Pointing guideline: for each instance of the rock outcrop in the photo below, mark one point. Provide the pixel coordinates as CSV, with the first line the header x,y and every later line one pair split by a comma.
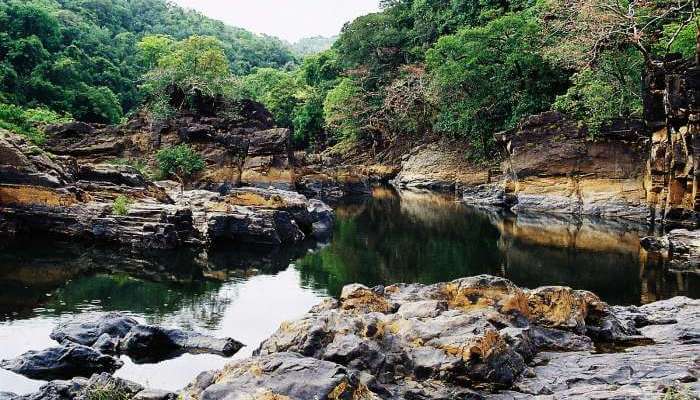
x,y
552,166
90,343
441,166
473,338
41,193
479,337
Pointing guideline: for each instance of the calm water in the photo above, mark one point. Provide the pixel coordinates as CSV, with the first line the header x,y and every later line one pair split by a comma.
x,y
247,293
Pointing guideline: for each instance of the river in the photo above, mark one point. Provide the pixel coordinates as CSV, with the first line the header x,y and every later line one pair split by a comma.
x,y
246,293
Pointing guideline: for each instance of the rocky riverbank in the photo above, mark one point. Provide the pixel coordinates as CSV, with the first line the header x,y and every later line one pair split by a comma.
x,y
477,337
44,193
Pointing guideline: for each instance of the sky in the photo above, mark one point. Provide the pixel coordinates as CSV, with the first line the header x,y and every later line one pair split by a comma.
x,y
290,20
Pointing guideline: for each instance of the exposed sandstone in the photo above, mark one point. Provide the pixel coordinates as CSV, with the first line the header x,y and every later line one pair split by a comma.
x,y
441,166
552,166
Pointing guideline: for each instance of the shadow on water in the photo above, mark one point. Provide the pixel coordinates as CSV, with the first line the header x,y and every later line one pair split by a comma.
x,y
247,292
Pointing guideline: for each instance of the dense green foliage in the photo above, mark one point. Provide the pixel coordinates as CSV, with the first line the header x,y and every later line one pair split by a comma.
x,y
418,68
29,121
86,57
468,69
180,161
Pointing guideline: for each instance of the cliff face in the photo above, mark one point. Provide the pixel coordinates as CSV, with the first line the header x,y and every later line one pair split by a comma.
x,y
239,145
552,166
641,170
672,111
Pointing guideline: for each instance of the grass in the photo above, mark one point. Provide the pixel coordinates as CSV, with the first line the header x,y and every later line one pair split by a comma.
x,y
121,205
109,391
678,393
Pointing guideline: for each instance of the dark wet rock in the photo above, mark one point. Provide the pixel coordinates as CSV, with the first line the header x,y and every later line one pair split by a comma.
x,y
115,174
98,386
145,343
115,333
74,128
333,185
323,218
63,361
22,163
680,248
87,329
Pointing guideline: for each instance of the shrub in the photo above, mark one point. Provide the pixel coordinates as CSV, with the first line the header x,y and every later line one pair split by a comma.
x,y
121,205
180,162
28,122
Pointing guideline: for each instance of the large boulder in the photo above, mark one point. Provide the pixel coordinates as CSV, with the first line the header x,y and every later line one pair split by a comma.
x,y
116,333
145,343
65,361
281,376
86,329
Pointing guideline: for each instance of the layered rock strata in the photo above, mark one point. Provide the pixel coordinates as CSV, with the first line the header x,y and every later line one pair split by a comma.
x,y
57,195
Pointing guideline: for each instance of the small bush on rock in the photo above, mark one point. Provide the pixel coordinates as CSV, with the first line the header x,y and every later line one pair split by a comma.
x,y
181,162
121,205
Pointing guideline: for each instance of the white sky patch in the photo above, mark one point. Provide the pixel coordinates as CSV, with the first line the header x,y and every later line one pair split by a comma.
x,y
290,20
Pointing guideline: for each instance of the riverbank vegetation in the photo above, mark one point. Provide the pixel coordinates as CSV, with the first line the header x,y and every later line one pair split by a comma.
x,y
418,68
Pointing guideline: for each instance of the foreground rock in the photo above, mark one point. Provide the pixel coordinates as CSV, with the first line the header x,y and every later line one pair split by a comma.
x,y
101,386
472,338
466,339
60,362
90,342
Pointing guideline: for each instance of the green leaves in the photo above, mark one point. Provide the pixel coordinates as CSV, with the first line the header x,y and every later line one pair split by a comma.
x,y
180,161
486,79
610,90
28,121
343,110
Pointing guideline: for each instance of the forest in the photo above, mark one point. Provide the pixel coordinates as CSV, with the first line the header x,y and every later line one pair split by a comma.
x,y
418,68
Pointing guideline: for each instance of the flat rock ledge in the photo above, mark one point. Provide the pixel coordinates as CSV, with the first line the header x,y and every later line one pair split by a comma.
x,y
91,343
480,337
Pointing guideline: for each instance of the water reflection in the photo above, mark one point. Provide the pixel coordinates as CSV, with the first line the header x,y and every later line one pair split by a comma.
x,y
246,293
411,237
